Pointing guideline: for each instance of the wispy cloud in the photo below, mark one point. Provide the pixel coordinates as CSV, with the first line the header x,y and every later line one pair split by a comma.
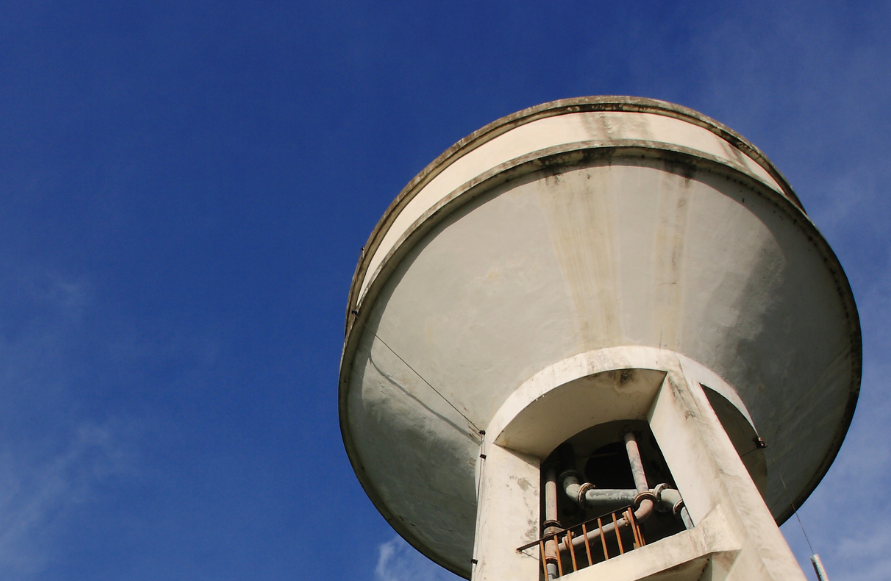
x,y
36,493
398,561
867,554
53,456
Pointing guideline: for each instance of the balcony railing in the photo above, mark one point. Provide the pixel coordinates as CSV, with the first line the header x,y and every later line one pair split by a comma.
x,y
607,529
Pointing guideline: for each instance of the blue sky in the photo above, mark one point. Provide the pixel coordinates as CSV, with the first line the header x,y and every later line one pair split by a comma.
x,y
184,190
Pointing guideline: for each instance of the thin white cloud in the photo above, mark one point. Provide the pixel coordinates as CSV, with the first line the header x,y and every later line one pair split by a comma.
x,y
52,459
398,561
37,493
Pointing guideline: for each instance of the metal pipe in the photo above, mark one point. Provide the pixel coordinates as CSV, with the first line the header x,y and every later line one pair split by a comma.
x,y
685,516
544,560
667,497
818,567
586,494
637,469
600,496
642,496
571,485
551,525
670,499
647,507
550,495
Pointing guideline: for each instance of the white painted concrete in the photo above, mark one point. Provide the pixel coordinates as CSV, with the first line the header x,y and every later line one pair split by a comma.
x,y
711,477
735,534
654,233
508,517
607,127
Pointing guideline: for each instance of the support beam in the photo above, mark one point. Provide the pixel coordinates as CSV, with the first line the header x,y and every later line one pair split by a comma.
x,y
711,477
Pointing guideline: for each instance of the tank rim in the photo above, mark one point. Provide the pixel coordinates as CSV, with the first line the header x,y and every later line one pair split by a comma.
x,y
567,106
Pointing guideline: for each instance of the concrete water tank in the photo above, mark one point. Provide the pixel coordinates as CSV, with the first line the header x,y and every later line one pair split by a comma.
x,y
559,256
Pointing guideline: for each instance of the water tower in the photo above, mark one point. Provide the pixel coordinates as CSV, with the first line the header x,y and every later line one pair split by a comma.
x,y
599,338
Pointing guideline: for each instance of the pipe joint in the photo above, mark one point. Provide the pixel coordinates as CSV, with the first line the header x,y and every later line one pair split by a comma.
x,y
678,507
551,527
583,490
570,474
642,496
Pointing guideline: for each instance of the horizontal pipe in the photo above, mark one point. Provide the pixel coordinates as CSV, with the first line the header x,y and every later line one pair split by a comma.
x,y
641,514
667,500
597,496
594,497
585,494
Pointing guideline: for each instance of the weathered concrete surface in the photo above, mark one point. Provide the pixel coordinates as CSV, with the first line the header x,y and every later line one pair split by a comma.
x,y
712,479
582,226
735,536
508,516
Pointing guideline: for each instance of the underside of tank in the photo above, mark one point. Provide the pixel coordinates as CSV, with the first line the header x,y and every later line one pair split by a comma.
x,y
640,225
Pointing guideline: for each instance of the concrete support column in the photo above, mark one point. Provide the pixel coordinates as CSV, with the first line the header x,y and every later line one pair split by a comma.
x,y
507,517
714,482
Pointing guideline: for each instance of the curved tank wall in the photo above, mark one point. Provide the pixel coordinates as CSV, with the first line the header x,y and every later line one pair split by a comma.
x,y
575,226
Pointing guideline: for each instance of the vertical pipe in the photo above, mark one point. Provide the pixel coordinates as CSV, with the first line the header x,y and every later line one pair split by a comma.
x,y
551,495
818,567
550,568
544,561
685,516
637,469
559,560
551,525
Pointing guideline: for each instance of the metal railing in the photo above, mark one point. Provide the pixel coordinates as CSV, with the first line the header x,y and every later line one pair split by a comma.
x,y
552,546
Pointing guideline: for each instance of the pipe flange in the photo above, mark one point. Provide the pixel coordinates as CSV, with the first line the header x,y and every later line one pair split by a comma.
x,y
551,527
660,488
678,507
584,488
642,496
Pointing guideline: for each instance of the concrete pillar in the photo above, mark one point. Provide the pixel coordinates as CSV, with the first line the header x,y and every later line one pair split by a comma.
x,y
734,537
507,517
714,482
